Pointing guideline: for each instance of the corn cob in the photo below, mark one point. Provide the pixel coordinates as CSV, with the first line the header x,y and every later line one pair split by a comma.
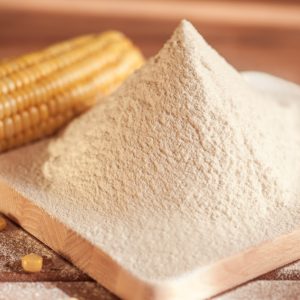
x,y
42,91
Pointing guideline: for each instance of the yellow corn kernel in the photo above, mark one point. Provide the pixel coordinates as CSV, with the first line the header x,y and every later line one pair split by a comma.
x,y
32,263
13,65
20,103
44,112
1,111
25,120
34,115
7,108
3,223
2,134
8,127
17,123
42,91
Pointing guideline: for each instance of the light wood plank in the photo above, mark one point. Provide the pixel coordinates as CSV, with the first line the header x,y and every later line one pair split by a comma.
x,y
206,282
69,243
15,243
263,290
72,246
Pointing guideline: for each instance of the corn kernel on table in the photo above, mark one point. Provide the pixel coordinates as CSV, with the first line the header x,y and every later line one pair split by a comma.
x,y
60,280
266,40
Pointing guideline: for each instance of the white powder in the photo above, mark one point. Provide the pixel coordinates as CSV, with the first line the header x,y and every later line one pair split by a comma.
x,y
15,243
264,290
53,291
183,165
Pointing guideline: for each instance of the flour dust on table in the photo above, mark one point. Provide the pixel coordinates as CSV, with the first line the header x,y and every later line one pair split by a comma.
x,y
183,165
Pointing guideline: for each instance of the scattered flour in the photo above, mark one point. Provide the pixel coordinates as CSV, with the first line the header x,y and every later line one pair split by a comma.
x,y
53,291
183,165
264,290
15,243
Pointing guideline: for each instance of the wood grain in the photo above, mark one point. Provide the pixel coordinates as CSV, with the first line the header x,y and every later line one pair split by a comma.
x,y
70,245
14,242
54,291
289,272
263,290
258,41
258,14
266,39
206,282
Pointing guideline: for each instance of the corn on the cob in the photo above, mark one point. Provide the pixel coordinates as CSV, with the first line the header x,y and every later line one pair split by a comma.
x,y
42,91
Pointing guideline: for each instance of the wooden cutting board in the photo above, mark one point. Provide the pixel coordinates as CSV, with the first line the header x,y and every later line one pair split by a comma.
x,y
214,278
209,281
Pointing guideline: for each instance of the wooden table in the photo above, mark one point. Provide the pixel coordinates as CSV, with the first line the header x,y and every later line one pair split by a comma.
x,y
266,39
251,35
60,280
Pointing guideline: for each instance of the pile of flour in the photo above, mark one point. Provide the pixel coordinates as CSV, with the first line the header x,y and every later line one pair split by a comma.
x,y
183,165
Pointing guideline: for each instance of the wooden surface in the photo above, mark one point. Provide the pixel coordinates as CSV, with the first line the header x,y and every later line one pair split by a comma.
x,y
210,281
265,38
252,36
57,280
60,280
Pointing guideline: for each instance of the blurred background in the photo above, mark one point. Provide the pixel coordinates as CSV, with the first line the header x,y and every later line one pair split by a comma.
x,y
253,35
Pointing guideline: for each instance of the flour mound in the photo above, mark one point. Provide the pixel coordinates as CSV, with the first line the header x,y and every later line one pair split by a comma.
x,y
185,162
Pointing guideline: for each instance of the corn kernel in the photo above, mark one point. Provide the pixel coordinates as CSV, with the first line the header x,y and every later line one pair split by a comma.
x,y
25,120
2,133
1,110
32,263
44,112
3,223
7,109
18,123
8,127
42,91
34,115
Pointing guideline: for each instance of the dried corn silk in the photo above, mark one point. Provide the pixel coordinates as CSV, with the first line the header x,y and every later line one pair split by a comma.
x,y
183,165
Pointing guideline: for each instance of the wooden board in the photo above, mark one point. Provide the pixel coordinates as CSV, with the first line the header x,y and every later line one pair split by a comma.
x,y
15,243
59,278
212,280
247,44
263,290
203,282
